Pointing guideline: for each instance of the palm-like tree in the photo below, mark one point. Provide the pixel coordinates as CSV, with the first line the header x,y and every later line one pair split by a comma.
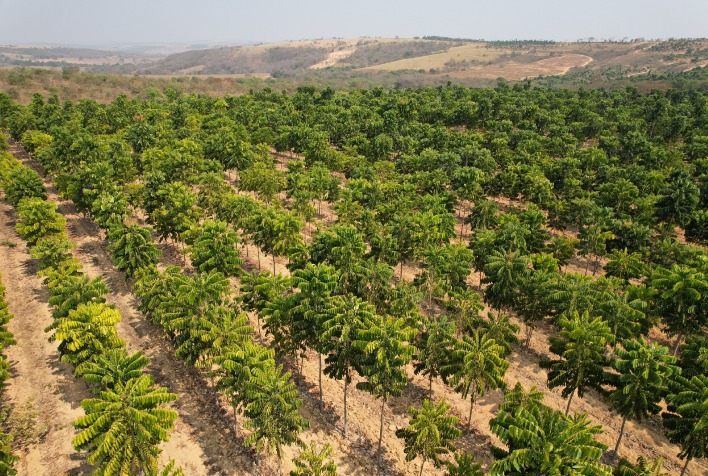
x,y
429,433
314,461
643,371
123,426
234,368
133,248
340,330
69,288
625,265
463,465
384,343
6,339
435,346
86,332
504,273
644,467
687,418
478,364
681,290
112,368
541,441
581,347
272,409
214,248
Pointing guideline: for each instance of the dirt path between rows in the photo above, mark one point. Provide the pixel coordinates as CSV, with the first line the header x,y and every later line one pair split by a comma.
x,y
38,377
201,442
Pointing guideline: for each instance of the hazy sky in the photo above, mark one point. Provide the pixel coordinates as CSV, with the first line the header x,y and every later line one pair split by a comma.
x,y
97,22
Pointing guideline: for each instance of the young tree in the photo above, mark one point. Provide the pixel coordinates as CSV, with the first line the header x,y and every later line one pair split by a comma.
x,y
680,291
581,347
686,420
644,467
52,250
384,343
38,219
643,374
24,182
429,433
214,248
175,212
86,333
625,266
434,349
112,368
463,465
504,274
124,425
273,412
133,248
340,331
477,365
313,461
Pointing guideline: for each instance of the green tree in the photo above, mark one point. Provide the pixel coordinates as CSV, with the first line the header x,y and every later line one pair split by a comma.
x,y
681,199
112,368
86,332
175,212
314,461
384,343
681,290
273,412
23,183
214,248
644,467
133,248
463,465
434,348
52,250
581,346
263,179
504,274
643,372
686,420
340,331
7,459
477,365
38,219
123,426
624,265
429,433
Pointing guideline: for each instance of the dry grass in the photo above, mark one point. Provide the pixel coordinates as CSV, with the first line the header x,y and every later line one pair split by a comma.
x,y
471,52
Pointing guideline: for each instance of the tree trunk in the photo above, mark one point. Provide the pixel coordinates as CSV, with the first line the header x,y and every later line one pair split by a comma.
x,y
529,331
677,344
378,451
320,379
280,465
469,418
273,264
421,468
400,276
235,422
258,251
685,466
619,439
346,384
430,387
567,408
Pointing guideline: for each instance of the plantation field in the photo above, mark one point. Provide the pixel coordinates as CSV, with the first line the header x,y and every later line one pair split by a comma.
x,y
473,52
389,281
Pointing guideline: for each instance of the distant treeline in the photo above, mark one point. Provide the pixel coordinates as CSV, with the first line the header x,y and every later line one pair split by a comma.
x,y
513,44
448,38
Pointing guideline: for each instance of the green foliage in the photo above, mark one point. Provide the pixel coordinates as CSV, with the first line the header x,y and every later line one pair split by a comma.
x,y
52,250
624,265
581,347
38,219
86,333
123,426
476,366
429,433
214,248
434,348
113,368
463,465
6,339
69,288
541,441
24,182
133,248
644,467
686,419
313,461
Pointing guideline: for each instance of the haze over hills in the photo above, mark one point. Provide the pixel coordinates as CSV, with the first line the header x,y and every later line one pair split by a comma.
x,y
454,58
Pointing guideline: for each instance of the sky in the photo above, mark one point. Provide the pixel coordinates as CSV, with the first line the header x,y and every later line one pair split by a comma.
x,y
115,22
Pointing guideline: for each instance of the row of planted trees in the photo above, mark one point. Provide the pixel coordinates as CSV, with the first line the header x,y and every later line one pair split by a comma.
x,y
7,459
127,420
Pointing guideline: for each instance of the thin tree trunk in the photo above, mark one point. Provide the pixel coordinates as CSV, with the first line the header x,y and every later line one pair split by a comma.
x,y
421,468
383,406
685,466
567,408
529,331
619,439
400,276
430,387
469,418
320,378
346,384
677,344
235,422
273,264
280,465
258,251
